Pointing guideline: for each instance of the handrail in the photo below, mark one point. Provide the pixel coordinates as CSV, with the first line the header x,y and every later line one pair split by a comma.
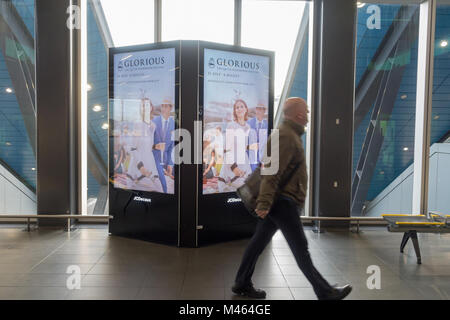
x,y
55,216
343,218
69,217
350,219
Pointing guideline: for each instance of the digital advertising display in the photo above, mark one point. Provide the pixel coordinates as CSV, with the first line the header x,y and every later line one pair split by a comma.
x,y
143,118
235,117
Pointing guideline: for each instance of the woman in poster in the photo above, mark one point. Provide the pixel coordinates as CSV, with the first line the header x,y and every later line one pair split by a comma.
x,y
123,144
236,167
143,169
119,159
120,155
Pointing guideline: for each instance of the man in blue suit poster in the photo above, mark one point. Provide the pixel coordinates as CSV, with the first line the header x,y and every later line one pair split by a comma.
x,y
162,150
258,136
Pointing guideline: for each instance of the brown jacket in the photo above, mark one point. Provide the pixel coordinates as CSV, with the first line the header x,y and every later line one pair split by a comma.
x,y
291,153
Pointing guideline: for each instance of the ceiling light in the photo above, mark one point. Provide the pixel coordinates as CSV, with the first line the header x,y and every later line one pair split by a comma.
x,y
88,87
105,126
436,117
9,90
360,4
444,43
405,149
381,172
8,143
33,169
97,108
404,96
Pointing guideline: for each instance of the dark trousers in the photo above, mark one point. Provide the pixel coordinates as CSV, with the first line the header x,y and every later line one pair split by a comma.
x,y
284,216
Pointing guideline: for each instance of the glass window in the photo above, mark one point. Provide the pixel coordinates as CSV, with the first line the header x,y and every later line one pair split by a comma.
x,y
296,84
209,20
385,106
130,22
439,174
272,25
96,112
17,109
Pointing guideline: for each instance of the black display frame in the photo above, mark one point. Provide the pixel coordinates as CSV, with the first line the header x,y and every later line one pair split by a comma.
x,y
220,220
157,221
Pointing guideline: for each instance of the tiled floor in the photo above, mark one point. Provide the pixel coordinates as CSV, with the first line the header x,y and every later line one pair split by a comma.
x,y
34,265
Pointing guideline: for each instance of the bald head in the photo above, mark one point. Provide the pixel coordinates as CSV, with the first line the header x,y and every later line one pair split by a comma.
x,y
296,109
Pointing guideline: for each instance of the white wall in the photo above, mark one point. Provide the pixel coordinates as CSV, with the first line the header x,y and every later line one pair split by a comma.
x,y
397,196
15,197
439,194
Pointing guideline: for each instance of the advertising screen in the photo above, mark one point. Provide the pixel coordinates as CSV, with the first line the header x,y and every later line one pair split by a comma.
x,y
142,110
235,117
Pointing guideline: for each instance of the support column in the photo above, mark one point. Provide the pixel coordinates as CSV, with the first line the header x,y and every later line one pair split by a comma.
x,y
58,108
158,19
333,103
424,98
237,22
189,110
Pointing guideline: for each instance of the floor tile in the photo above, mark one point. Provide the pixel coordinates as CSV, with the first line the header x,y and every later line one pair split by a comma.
x,y
34,266
122,280
202,293
159,293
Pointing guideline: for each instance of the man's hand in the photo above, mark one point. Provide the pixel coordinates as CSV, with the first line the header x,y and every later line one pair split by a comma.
x,y
261,213
160,146
237,172
253,146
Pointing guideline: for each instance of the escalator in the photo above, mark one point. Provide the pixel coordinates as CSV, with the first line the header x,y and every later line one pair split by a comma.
x,y
376,95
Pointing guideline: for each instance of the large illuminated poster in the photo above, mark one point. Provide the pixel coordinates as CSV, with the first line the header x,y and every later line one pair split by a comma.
x,y
143,114
235,118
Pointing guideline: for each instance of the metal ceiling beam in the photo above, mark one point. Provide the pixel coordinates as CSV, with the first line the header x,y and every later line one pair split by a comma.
x,y
372,76
14,35
14,22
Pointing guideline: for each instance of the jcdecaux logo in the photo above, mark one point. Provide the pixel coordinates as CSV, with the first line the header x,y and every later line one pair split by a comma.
x,y
140,199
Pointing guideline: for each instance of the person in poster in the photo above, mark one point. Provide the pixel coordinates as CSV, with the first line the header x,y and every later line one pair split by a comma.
x,y
120,157
258,135
142,170
143,120
123,148
236,97
164,144
135,159
148,166
234,170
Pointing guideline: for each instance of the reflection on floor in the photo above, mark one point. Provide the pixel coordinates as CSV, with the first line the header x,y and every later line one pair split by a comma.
x,y
34,265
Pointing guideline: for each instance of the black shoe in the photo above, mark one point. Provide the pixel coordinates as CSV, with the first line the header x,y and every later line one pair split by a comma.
x,y
249,291
337,293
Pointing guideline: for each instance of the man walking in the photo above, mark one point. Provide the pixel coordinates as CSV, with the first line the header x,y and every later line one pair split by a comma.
x,y
279,209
